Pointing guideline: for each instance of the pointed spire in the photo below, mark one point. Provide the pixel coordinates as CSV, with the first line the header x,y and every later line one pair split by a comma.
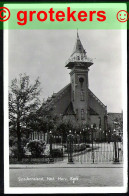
x,y
78,55
78,48
77,34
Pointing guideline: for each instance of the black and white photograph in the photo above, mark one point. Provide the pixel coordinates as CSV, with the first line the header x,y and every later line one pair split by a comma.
x,y
66,110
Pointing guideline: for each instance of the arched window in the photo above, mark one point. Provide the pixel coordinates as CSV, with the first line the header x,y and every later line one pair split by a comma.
x,y
78,58
82,114
81,80
82,96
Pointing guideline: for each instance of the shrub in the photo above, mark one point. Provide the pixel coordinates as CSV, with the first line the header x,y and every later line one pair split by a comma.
x,y
36,147
13,151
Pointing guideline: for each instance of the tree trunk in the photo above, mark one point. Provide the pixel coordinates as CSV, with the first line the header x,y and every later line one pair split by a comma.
x,y
44,136
19,142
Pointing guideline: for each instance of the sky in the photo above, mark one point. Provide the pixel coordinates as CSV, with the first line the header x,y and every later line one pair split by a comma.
x,y
43,53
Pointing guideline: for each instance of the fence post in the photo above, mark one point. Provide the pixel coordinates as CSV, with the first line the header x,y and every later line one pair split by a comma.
x,y
116,159
92,143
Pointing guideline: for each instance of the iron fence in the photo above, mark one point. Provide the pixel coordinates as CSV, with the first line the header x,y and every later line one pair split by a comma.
x,y
85,147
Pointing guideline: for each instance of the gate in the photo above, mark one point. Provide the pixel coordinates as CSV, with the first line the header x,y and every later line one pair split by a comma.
x,y
86,147
99,153
94,147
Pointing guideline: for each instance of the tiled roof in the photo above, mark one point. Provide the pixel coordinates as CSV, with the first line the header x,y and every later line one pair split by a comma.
x,y
92,112
50,102
113,116
92,94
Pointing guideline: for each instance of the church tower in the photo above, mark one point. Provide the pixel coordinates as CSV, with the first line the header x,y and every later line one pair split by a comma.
x,y
79,65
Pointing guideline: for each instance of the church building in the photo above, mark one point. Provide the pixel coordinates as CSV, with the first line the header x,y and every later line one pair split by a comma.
x,y
76,101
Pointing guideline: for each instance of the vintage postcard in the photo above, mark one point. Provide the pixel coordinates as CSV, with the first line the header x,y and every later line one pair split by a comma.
x,y
65,106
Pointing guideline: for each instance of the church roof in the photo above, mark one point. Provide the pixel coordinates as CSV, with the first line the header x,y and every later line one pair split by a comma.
x,y
50,103
113,116
92,111
53,102
63,89
91,94
69,110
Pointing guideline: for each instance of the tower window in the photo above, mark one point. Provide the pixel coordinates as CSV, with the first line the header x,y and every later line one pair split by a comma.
x,y
82,96
81,80
82,114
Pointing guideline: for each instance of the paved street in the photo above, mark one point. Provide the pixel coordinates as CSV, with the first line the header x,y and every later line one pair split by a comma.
x,y
39,176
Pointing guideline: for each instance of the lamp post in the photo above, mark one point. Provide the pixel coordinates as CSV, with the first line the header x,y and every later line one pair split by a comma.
x,y
88,130
80,137
50,142
95,133
100,133
105,127
92,143
103,136
84,135
70,147
109,136
75,133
